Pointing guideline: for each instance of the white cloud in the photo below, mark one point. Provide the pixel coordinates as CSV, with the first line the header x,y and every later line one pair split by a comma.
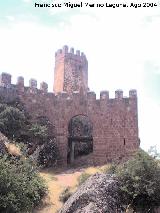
x,y
10,18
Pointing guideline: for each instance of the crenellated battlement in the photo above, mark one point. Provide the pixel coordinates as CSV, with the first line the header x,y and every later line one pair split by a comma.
x,y
5,82
65,52
90,96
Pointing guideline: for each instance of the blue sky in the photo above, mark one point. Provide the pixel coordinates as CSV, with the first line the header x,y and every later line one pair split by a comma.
x,y
122,46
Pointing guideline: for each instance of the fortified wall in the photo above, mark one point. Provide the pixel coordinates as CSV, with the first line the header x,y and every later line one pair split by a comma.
x,y
114,120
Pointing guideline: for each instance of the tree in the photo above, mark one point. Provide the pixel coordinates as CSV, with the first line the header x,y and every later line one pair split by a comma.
x,y
140,182
43,145
12,120
38,133
48,154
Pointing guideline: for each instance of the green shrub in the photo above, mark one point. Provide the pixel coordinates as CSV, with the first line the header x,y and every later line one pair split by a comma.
x,y
48,154
83,177
38,132
66,193
12,120
21,188
139,180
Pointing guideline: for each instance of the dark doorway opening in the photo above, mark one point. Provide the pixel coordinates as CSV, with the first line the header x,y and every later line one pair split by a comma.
x,y
80,139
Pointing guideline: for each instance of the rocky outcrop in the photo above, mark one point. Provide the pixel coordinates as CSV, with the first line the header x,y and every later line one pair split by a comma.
x,y
6,147
99,194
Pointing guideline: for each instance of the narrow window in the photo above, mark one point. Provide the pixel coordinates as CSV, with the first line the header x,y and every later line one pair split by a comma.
x,y
111,121
124,141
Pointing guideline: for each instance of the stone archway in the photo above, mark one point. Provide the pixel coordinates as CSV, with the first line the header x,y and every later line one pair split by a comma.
x,y
80,138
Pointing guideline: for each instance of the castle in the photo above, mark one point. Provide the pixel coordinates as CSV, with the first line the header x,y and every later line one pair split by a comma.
x,y
113,130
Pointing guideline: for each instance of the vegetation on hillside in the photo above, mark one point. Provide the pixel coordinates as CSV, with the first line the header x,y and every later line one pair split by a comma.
x,y
37,134
139,180
21,188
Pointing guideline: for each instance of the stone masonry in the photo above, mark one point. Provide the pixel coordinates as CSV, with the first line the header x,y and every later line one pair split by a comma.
x,y
115,121
71,71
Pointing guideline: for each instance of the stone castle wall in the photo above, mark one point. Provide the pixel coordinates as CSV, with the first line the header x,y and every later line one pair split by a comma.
x,y
115,121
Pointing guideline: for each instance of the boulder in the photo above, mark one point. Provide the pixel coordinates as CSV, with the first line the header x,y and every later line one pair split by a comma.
x,y
99,194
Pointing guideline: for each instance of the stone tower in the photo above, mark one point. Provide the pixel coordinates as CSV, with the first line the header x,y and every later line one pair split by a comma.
x,y
71,71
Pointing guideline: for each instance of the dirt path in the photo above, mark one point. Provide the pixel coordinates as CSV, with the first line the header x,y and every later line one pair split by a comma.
x,y
56,183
